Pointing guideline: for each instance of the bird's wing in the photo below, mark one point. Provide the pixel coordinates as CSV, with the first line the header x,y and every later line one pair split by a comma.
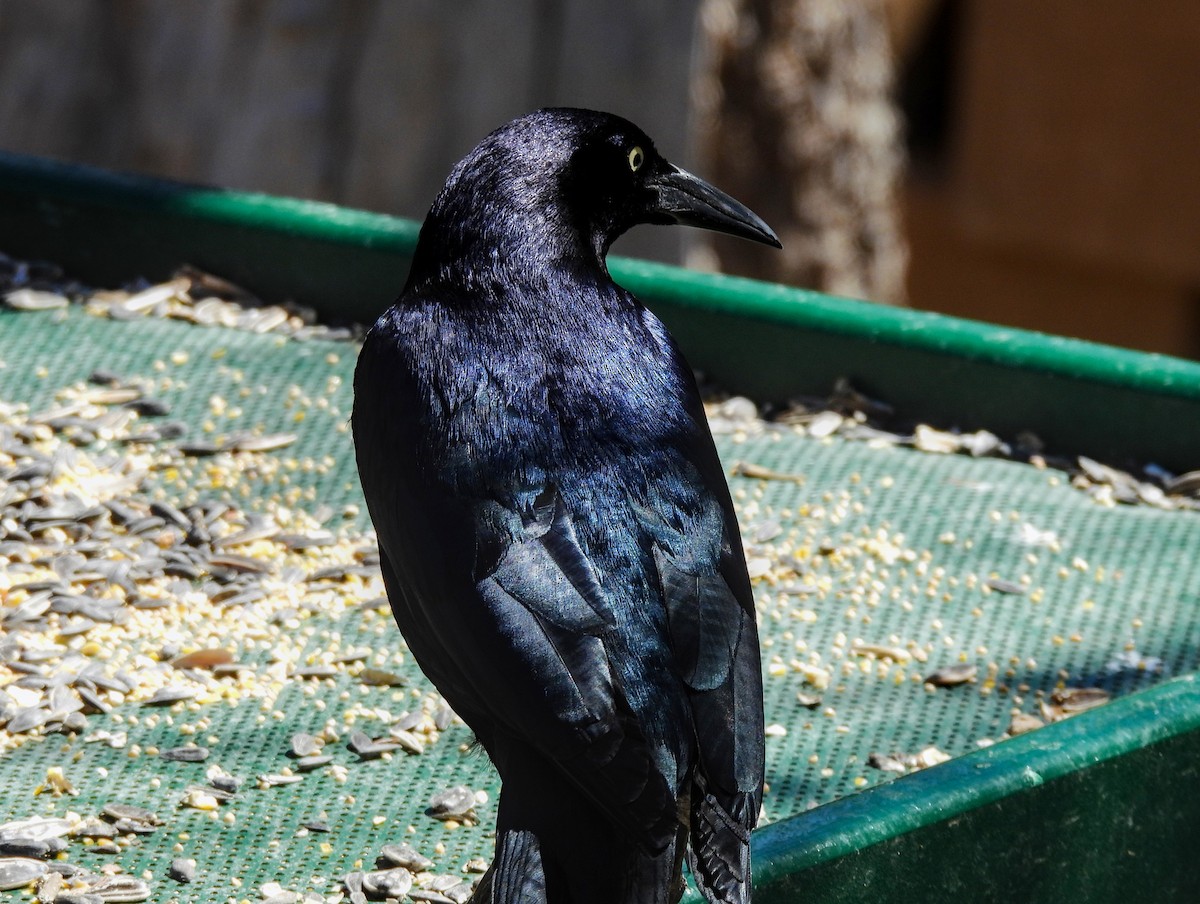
x,y
531,650
713,635
715,641
554,647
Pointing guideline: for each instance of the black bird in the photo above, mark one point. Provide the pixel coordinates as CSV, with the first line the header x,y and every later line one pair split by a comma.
x,y
555,530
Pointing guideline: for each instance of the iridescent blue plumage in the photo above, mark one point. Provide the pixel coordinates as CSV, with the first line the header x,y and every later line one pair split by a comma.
x,y
555,530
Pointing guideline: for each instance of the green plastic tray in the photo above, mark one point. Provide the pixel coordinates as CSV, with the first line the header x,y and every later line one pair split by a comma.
x,y
1093,808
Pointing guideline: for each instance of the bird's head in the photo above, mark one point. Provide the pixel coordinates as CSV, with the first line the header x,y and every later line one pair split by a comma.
x,y
559,179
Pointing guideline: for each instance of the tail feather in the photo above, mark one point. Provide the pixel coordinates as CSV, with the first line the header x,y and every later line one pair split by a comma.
x,y
554,844
719,855
516,875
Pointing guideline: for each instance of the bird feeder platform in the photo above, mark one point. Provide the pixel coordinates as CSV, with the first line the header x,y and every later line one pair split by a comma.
x,y
938,628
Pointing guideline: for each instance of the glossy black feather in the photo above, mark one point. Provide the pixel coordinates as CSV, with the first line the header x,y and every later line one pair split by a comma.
x,y
556,535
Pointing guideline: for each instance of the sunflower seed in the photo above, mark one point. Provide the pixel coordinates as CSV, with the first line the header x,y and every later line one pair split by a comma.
x,y
758,472
267,443
1184,485
48,886
365,747
129,811
18,872
182,869
952,675
406,856
18,846
306,541
351,656
460,893
166,696
452,803
309,763
149,407
353,883
38,828
407,740
118,889
825,423
94,828
314,671
203,659
381,678
1002,586
112,395
226,783
305,745
240,564
246,536
185,754
127,826
154,295
901,763
389,883
428,896
27,719
216,793
1079,699
1023,722
199,449
271,780
170,514
34,300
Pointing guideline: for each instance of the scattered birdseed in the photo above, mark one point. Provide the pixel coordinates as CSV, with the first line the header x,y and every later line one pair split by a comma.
x,y
137,590
191,295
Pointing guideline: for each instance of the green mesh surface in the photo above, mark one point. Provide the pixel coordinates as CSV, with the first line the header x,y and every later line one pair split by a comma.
x,y
881,546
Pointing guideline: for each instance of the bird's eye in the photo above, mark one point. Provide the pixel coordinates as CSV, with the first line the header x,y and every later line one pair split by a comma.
x,y
636,158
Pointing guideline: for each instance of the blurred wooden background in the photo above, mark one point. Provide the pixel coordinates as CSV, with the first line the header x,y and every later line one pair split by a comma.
x,y
1040,157
366,103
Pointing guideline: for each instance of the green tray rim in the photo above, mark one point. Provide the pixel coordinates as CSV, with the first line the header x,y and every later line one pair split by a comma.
x,y
1009,347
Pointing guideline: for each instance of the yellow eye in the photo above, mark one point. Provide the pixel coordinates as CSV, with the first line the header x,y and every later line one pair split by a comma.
x,y
636,158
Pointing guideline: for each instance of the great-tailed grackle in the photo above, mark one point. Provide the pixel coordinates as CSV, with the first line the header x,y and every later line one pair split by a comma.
x,y
555,531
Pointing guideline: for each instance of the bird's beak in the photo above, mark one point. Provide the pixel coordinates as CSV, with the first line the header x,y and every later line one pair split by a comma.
x,y
689,200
